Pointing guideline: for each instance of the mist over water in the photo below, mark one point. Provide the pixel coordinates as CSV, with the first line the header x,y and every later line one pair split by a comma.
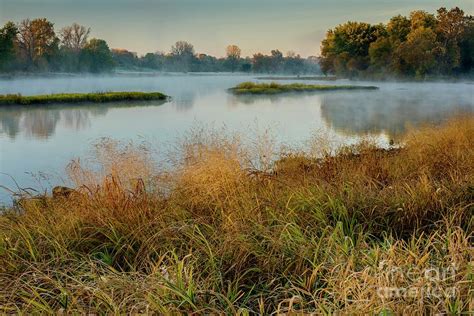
x,y
45,138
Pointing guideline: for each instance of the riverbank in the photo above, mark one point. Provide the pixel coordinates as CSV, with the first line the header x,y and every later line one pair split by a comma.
x,y
306,234
74,98
274,88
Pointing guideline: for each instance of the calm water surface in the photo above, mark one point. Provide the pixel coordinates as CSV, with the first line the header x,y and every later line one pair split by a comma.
x,y
44,139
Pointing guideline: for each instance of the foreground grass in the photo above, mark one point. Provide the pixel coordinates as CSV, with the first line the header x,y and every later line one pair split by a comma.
x,y
323,234
273,88
17,99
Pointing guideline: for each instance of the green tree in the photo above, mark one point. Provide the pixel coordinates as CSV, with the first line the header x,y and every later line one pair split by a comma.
x,y
152,61
420,45
466,46
450,27
398,28
96,56
293,63
422,19
419,51
380,53
124,58
7,45
276,60
261,63
346,48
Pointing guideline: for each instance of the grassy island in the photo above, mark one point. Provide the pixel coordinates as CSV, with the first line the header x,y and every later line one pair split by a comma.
x,y
273,88
332,78
100,97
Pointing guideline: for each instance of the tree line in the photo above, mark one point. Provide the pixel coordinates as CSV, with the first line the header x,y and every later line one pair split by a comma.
x,y
183,58
420,45
34,46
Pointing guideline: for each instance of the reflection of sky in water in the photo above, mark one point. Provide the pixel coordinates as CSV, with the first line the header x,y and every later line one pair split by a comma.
x,y
47,138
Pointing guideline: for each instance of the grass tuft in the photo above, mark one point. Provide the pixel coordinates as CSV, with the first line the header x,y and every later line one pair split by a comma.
x,y
361,230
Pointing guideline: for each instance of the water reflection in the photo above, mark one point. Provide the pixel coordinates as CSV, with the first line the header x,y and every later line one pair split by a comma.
x,y
250,99
41,122
352,113
184,101
390,112
53,135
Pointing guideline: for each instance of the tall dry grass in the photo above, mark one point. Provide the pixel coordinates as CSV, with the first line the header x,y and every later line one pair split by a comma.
x,y
364,230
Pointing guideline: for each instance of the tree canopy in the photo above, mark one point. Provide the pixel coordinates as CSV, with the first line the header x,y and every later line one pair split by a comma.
x,y
419,45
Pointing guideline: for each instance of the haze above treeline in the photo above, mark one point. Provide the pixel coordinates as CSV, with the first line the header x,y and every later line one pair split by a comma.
x,y
419,45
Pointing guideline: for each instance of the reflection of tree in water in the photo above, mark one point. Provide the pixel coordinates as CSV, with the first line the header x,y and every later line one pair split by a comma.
x,y
41,122
250,99
79,119
391,112
185,101
9,122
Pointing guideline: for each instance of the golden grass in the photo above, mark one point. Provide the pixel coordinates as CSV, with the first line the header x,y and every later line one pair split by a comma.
x,y
214,234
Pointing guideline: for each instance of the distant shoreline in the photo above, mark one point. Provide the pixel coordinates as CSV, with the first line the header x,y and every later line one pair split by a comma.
x,y
33,75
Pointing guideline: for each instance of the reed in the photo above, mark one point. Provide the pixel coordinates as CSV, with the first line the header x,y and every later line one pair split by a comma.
x,y
348,232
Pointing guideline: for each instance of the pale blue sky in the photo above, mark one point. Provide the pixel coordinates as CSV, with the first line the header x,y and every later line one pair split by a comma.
x,y
211,25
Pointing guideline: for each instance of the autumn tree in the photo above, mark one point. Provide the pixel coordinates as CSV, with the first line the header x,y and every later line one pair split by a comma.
x,y
422,19
37,42
74,37
233,57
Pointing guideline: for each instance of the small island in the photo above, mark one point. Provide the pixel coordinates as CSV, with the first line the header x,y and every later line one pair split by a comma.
x,y
308,78
274,88
74,98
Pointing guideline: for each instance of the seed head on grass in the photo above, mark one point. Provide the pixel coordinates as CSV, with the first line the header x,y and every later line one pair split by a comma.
x,y
324,233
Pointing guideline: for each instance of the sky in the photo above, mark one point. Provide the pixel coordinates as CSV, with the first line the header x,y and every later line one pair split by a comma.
x,y
210,25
